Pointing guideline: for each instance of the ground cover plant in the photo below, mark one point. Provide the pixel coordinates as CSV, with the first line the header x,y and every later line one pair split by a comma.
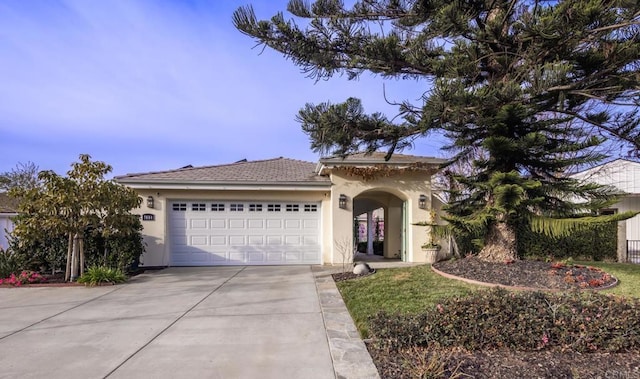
x,y
469,331
99,275
23,278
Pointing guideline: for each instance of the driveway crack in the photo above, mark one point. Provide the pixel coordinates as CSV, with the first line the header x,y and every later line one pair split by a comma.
x,y
59,313
173,323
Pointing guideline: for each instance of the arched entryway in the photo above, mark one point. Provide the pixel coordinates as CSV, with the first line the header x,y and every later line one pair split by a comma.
x,y
380,213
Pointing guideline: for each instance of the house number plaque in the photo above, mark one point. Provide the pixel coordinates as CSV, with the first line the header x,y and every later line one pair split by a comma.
x,y
148,217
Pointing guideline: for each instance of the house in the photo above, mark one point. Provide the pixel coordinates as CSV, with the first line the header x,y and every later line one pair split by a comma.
x,y
282,211
8,207
624,175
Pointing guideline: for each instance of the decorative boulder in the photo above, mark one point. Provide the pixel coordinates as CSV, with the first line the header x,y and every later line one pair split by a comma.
x,y
361,268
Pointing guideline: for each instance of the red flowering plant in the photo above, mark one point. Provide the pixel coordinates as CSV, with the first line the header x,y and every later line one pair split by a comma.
x,y
25,277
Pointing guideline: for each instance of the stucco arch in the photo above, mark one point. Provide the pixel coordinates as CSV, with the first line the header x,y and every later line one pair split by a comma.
x,y
392,201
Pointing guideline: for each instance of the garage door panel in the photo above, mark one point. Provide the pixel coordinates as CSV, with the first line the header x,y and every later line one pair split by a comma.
x,y
274,240
237,241
217,232
310,224
293,256
274,224
310,241
292,224
218,224
255,224
199,241
219,258
236,224
255,257
292,240
256,240
196,223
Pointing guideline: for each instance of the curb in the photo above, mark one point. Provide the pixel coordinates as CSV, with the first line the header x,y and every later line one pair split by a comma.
x,y
351,359
519,288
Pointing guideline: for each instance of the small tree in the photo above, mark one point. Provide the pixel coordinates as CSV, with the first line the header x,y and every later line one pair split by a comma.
x,y
24,175
72,205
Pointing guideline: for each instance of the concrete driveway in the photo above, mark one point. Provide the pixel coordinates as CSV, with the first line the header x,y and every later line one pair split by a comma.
x,y
213,322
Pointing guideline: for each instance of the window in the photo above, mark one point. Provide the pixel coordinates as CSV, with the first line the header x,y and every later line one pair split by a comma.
x,y
180,207
310,207
273,208
216,207
293,207
236,207
255,207
198,207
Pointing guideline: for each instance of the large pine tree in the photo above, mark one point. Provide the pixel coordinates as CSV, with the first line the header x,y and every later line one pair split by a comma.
x,y
522,89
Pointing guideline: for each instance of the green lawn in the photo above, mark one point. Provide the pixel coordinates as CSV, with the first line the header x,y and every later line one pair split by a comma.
x,y
412,289
404,290
628,276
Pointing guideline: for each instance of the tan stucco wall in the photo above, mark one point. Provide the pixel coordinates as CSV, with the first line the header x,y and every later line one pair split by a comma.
x,y
156,233
405,187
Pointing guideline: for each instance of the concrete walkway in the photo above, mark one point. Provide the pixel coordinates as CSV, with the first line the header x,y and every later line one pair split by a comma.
x,y
213,322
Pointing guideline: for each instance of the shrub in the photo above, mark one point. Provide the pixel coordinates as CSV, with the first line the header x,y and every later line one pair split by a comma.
x,y
597,242
25,277
8,263
96,275
525,321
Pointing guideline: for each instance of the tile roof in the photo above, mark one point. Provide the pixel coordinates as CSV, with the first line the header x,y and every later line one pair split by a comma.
x,y
7,204
268,171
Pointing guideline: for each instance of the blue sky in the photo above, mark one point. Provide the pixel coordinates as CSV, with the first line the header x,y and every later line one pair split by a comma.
x,y
148,85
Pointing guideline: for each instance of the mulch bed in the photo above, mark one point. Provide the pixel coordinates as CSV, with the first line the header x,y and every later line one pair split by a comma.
x,y
529,274
507,364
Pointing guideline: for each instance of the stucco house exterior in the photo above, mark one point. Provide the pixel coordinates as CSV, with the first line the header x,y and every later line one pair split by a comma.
x,y
625,176
282,211
7,211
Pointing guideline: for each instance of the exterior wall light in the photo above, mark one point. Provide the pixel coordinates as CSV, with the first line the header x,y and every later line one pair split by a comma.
x,y
422,202
342,201
150,202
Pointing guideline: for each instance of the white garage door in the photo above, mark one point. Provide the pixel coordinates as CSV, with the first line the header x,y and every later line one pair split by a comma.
x,y
207,233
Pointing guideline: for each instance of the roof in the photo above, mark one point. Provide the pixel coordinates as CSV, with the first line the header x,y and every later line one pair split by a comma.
x,y
8,204
376,158
275,172
622,174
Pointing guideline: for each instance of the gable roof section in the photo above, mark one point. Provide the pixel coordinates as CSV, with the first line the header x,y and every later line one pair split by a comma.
x,y
620,173
376,158
277,172
8,204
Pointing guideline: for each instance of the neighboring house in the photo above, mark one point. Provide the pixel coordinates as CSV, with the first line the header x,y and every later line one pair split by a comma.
x,y
8,208
625,176
282,211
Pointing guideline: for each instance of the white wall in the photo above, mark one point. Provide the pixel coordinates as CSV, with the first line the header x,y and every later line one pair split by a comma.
x,y
624,175
6,226
621,173
631,203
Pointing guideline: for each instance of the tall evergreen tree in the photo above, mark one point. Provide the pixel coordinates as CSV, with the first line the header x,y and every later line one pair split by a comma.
x,y
516,86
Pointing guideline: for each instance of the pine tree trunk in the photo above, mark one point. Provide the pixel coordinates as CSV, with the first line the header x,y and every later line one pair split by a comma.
x,y
500,244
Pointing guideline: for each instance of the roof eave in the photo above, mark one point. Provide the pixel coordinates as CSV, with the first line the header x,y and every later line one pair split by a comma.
x,y
241,186
334,162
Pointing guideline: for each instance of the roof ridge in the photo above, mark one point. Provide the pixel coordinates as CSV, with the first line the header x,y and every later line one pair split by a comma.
x,y
183,169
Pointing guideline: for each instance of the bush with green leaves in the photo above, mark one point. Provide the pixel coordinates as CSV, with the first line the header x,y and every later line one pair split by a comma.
x,y
9,263
524,321
596,242
97,275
